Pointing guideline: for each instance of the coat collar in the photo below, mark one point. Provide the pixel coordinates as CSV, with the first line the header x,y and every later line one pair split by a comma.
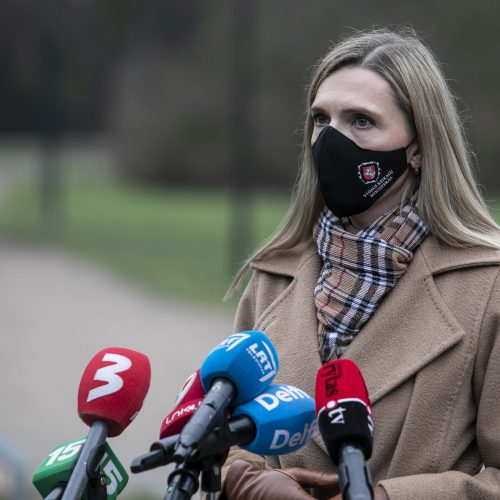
x,y
287,262
412,326
439,257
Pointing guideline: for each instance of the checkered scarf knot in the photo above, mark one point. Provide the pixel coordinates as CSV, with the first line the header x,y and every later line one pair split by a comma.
x,y
359,270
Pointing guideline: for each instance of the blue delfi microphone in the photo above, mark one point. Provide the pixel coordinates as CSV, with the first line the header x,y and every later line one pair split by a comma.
x,y
284,418
237,370
280,420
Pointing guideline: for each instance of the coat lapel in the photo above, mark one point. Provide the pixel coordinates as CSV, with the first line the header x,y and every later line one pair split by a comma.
x,y
411,327
291,322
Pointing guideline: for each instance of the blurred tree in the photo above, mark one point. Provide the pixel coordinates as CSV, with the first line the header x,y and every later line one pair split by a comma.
x,y
156,75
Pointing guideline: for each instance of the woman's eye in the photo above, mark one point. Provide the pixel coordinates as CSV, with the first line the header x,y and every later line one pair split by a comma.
x,y
320,119
363,122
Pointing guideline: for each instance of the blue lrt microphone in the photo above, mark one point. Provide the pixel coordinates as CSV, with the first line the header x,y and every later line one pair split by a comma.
x,y
237,370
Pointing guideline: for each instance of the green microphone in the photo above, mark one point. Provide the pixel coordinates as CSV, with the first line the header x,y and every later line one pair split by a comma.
x,y
52,475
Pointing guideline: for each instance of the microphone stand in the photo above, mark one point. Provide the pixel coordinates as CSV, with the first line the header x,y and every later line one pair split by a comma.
x,y
96,489
56,493
183,481
211,481
96,480
87,464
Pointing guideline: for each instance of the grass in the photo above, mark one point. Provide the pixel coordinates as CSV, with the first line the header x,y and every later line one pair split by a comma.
x,y
175,242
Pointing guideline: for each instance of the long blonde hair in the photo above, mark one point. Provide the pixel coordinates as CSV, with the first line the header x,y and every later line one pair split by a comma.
x,y
448,198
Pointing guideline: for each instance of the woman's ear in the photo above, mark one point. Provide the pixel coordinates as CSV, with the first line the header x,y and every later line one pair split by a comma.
x,y
415,163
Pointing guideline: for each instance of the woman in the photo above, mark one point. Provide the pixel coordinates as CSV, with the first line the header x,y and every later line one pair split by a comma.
x,y
389,257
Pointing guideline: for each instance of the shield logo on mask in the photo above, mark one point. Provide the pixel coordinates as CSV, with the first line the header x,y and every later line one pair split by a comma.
x,y
369,172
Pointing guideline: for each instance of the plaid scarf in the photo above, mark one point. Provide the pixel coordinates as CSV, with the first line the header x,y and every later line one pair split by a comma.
x,y
359,270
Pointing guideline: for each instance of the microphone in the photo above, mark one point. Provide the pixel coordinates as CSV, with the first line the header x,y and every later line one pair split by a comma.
x,y
191,389
280,420
184,478
111,392
283,417
237,370
52,475
186,403
346,425
175,421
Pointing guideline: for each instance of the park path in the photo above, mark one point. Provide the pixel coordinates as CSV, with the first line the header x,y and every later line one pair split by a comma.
x,y
56,312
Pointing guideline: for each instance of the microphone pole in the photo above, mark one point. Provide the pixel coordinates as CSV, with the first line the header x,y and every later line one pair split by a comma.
x,y
183,482
106,476
355,479
180,481
56,493
90,456
346,425
108,409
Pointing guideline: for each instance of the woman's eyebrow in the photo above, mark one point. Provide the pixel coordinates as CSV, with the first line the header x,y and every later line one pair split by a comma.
x,y
318,109
349,110
360,110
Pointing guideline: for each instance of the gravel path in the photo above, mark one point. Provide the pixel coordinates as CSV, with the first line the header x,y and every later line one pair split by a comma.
x,y
56,312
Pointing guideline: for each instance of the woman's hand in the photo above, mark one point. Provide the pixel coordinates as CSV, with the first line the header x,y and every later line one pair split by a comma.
x,y
247,480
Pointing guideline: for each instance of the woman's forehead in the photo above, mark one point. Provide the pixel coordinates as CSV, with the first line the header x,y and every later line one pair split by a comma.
x,y
353,89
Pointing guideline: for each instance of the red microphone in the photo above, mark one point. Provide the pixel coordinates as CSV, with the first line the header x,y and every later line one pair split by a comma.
x,y
111,392
175,421
346,425
186,403
191,389
113,387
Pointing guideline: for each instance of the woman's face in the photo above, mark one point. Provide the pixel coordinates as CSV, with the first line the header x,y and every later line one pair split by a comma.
x,y
359,103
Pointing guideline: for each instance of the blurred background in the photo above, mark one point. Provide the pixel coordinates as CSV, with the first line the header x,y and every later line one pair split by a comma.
x,y
146,147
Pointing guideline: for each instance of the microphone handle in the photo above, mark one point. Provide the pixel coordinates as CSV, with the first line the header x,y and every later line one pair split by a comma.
x,y
90,456
56,493
183,482
355,479
241,430
204,419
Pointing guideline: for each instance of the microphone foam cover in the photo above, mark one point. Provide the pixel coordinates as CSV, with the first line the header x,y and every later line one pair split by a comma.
x,y
284,419
113,387
248,359
339,379
174,422
191,389
343,407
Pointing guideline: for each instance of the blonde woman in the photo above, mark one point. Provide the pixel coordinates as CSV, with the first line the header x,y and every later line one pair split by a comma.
x,y
389,257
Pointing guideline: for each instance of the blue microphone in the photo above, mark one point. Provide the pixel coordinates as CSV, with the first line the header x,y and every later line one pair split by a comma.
x,y
284,419
237,370
280,420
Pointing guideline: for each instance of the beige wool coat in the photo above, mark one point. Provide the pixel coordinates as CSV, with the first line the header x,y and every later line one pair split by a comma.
x,y
430,356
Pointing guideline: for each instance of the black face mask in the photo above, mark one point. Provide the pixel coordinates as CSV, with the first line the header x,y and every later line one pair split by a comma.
x,y
351,178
